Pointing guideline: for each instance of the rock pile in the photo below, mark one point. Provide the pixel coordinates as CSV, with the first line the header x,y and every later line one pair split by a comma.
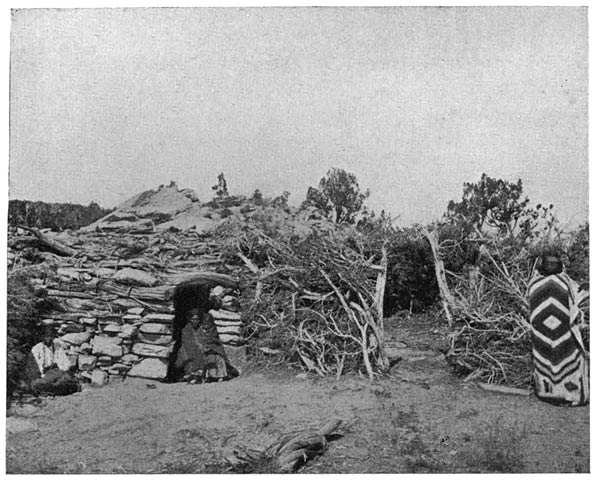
x,y
113,308
138,343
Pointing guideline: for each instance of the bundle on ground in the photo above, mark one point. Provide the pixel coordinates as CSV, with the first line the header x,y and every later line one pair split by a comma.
x,y
285,455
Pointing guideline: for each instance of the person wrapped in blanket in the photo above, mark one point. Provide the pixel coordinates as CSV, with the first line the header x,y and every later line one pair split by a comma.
x,y
49,370
560,360
198,354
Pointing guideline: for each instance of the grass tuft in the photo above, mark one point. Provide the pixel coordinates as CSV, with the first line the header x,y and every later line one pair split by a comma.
x,y
498,449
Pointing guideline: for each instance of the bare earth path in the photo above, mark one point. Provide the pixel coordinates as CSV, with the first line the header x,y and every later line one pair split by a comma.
x,y
418,419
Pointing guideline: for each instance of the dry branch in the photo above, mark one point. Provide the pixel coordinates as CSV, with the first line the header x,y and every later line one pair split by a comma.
x,y
490,333
52,244
362,326
489,387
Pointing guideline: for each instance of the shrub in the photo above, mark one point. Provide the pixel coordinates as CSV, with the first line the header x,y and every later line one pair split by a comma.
x,y
578,256
24,312
225,213
411,280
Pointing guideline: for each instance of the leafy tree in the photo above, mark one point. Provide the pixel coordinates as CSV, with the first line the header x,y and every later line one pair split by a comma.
x,y
490,203
371,223
539,221
338,195
257,195
221,188
57,216
317,199
281,201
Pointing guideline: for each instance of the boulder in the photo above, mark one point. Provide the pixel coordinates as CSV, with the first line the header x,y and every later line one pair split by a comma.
x,y
87,362
155,328
147,350
73,358
135,311
110,346
111,329
153,368
99,378
128,331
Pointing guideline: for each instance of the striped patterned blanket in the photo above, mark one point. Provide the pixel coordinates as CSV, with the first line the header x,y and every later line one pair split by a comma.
x,y
560,363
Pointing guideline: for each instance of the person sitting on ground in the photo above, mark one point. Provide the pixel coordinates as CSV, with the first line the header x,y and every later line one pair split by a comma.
x,y
50,372
198,354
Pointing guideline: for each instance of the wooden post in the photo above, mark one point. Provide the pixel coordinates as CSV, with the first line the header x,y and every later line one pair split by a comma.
x,y
446,297
379,300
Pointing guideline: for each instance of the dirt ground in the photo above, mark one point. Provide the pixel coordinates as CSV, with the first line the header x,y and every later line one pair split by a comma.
x,y
420,418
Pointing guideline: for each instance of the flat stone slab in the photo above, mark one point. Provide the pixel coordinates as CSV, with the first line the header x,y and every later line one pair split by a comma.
x,y
153,368
159,318
154,338
76,338
225,315
110,346
148,350
155,329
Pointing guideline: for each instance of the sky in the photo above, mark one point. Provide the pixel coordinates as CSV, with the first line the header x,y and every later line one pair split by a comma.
x,y
106,103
